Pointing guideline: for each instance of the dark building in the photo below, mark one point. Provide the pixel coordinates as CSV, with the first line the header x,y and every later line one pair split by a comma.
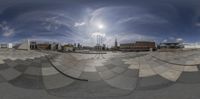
x,y
138,46
116,44
115,47
33,45
98,47
44,46
79,46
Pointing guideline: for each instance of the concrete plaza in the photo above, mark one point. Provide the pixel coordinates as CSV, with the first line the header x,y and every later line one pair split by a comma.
x,y
115,75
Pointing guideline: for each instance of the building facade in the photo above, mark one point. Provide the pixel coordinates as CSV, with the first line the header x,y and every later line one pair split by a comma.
x,y
138,46
191,45
68,48
174,45
44,46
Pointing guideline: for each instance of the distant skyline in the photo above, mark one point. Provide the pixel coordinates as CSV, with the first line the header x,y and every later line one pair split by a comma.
x,y
76,21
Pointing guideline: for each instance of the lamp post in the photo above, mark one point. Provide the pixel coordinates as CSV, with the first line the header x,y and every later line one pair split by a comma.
x,y
99,39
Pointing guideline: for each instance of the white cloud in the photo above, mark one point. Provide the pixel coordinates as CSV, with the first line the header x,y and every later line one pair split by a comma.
x,y
179,40
165,41
79,24
53,23
197,24
6,30
173,39
146,18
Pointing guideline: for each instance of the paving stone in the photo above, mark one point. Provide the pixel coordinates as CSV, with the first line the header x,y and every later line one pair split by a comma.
x,y
171,75
189,77
131,73
107,74
56,81
46,64
33,71
189,62
160,69
198,67
145,71
28,82
1,61
10,73
73,73
134,66
21,68
24,62
2,79
190,68
34,64
101,69
110,66
90,76
3,66
79,67
46,71
12,63
87,90
90,69
123,82
153,82
118,69
176,67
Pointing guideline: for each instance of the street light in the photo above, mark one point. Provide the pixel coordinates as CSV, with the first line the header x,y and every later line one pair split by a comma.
x,y
99,36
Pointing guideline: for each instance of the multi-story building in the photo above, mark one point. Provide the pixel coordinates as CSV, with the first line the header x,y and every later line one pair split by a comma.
x,y
138,46
44,46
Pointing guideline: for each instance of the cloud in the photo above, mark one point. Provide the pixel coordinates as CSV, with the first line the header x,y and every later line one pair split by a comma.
x,y
172,40
165,41
197,24
7,31
179,40
79,24
146,18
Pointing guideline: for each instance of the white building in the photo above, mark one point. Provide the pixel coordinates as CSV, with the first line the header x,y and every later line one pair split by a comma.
x,y
68,48
191,45
6,45
24,46
10,45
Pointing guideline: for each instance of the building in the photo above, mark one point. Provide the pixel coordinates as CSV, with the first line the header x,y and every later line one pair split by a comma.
x,y
169,45
6,45
59,47
54,46
87,48
44,46
68,48
116,44
127,46
24,45
33,45
191,45
98,47
138,46
145,46
115,47
79,46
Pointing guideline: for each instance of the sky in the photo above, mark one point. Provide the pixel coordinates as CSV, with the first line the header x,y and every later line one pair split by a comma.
x,y
79,21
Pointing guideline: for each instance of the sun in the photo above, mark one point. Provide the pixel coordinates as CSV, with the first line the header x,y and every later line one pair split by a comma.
x,y
100,26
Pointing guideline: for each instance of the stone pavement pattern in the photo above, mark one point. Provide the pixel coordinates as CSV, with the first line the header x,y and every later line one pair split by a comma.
x,y
42,75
